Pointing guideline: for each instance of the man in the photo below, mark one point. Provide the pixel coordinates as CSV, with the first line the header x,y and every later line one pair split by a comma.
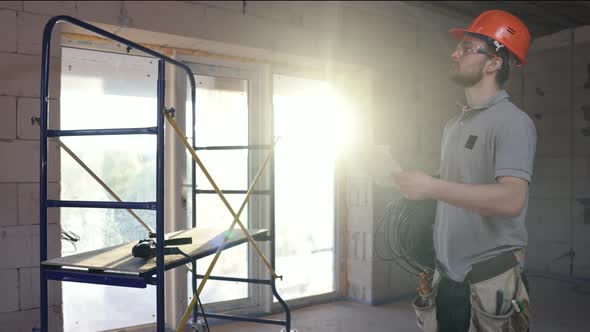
x,y
486,167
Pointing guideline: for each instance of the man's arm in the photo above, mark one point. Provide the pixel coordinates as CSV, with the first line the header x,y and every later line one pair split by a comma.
x,y
505,198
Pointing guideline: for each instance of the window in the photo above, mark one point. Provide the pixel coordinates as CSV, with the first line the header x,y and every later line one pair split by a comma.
x,y
221,119
106,90
312,126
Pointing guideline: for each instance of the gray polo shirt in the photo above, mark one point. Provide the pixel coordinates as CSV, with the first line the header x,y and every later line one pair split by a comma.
x,y
479,145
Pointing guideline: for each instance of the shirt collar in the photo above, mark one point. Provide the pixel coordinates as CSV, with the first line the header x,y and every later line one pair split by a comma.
x,y
501,95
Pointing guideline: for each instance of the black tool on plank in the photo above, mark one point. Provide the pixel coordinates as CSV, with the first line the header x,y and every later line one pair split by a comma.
x,y
147,248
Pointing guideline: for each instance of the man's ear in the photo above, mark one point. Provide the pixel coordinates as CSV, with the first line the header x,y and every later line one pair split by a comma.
x,y
495,64
499,61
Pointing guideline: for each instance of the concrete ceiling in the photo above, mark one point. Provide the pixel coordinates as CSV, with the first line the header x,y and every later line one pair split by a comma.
x,y
541,17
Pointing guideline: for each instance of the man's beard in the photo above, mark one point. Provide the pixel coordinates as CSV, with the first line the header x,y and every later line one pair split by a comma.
x,y
465,80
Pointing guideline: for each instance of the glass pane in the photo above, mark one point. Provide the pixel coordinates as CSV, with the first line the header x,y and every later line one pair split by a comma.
x,y
221,111
304,203
105,90
228,168
221,120
212,213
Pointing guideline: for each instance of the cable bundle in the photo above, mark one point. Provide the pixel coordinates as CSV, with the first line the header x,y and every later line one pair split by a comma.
x,y
406,233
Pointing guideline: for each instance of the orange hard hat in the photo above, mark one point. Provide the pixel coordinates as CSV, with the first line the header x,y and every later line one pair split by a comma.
x,y
502,27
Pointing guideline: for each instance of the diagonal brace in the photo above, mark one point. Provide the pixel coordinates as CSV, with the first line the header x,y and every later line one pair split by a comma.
x,y
218,191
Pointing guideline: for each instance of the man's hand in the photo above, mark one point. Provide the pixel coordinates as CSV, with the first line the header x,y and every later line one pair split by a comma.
x,y
414,185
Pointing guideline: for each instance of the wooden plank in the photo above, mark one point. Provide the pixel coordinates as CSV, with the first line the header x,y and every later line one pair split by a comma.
x,y
119,258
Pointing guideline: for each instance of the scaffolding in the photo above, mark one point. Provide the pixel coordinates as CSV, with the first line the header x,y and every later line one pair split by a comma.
x,y
121,269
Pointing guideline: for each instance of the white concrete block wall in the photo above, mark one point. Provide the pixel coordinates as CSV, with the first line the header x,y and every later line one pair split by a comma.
x,y
553,145
9,290
395,113
106,12
29,40
28,108
581,86
20,245
551,124
8,204
550,59
358,239
22,320
16,5
549,234
556,218
8,114
391,282
23,166
551,187
20,55
28,203
580,242
21,75
51,8
29,289
7,28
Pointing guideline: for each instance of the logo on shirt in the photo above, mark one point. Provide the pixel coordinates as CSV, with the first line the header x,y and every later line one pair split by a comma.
x,y
471,142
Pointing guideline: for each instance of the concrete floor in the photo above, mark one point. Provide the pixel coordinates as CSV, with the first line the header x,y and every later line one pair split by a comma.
x,y
556,307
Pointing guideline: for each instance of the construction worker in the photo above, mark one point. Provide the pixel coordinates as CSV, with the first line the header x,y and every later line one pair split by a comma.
x,y
482,191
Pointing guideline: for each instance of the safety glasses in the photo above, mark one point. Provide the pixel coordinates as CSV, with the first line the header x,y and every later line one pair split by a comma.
x,y
464,49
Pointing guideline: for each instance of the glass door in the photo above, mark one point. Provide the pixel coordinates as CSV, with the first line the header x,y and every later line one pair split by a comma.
x,y
223,107
311,127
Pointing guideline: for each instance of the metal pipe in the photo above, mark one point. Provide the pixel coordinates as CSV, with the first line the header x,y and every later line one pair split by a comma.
x,y
193,163
98,132
51,23
284,305
233,192
234,147
101,205
160,199
247,280
43,174
246,319
96,278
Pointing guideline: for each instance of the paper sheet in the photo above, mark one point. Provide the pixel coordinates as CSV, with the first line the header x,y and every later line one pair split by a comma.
x,y
374,161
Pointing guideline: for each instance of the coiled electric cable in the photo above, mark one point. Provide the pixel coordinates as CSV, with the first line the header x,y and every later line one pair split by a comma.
x,y
406,233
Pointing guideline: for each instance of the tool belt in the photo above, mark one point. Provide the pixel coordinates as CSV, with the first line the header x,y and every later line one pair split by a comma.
x,y
514,314
491,267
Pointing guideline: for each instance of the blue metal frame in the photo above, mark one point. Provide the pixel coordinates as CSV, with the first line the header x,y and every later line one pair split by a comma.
x,y
233,147
161,296
112,278
94,132
102,205
233,192
95,277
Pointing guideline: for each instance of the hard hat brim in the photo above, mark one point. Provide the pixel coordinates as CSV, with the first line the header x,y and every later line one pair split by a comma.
x,y
458,33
